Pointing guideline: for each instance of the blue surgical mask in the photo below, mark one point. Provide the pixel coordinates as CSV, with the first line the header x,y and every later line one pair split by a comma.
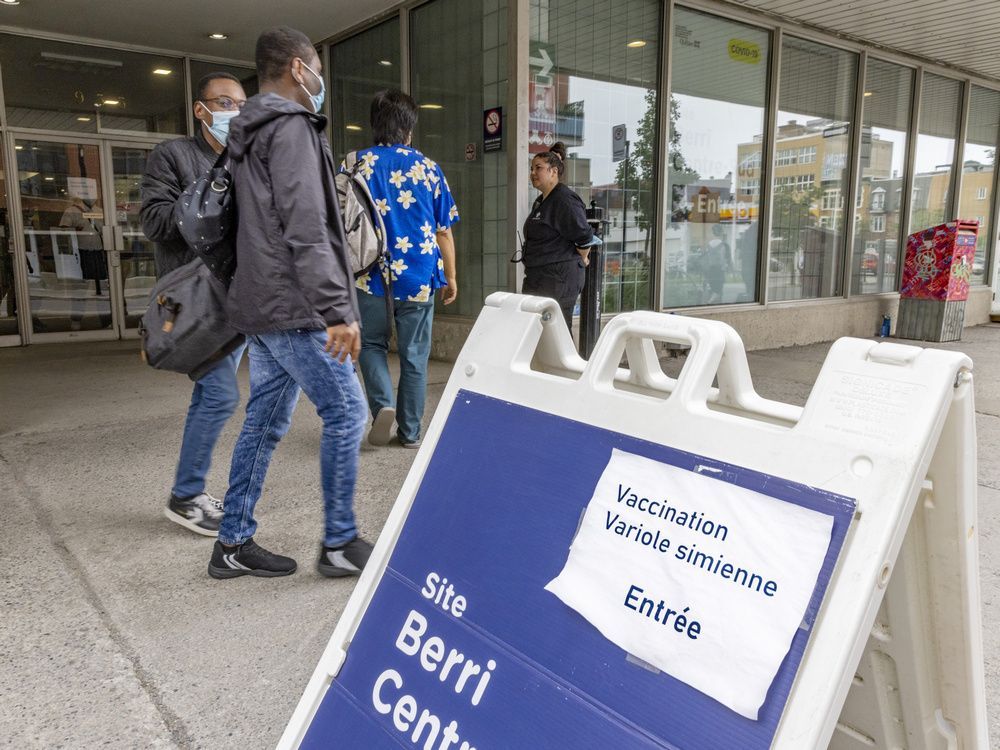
x,y
315,99
220,124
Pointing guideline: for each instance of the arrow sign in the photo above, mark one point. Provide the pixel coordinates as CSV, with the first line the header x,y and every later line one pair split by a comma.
x,y
544,62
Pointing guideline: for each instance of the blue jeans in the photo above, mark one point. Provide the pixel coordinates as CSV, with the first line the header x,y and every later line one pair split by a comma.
x,y
214,399
281,364
413,340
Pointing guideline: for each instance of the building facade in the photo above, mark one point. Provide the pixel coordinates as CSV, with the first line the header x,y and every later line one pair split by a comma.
x,y
750,168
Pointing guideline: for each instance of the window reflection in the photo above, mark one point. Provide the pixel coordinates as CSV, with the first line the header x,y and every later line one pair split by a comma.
x,y
581,87
51,85
716,121
8,295
447,84
360,67
940,111
811,172
875,254
976,200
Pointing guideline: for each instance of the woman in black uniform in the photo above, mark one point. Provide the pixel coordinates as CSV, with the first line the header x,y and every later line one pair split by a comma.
x,y
555,235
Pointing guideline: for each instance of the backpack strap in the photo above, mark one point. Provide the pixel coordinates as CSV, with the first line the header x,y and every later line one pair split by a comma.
x,y
351,162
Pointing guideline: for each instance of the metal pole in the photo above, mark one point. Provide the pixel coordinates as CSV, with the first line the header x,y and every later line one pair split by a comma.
x,y
621,256
590,299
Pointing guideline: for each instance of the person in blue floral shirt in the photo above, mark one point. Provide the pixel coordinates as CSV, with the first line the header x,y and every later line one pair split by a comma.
x,y
412,195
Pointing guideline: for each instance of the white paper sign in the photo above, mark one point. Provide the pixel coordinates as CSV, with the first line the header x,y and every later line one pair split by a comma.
x,y
700,578
82,187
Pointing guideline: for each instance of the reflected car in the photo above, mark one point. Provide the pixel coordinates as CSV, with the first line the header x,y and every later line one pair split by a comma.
x,y
870,260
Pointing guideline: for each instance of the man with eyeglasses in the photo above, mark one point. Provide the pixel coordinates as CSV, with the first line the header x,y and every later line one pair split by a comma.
x,y
172,166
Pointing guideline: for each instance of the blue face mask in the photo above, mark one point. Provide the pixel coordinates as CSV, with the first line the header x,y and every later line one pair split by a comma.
x,y
315,99
220,124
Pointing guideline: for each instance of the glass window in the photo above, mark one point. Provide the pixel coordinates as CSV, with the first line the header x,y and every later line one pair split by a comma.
x,y
447,83
8,295
885,123
360,67
940,113
59,86
593,66
815,107
716,134
977,170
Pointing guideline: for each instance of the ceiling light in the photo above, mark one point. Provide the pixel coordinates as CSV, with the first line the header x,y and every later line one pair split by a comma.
x,y
352,127
19,148
111,102
636,43
869,93
431,106
50,179
387,63
162,72
11,2
218,36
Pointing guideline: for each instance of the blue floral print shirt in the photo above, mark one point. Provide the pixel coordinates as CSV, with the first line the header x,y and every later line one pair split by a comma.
x,y
412,195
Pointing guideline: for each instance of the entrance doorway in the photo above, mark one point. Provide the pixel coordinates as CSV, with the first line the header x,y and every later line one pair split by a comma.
x,y
76,264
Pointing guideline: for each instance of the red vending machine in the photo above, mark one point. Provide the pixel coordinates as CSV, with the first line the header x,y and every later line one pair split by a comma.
x,y
936,281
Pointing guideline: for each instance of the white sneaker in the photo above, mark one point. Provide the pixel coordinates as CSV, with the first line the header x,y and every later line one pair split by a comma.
x,y
201,514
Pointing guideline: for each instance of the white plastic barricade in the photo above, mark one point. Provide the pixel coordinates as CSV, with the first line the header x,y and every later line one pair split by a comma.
x,y
596,555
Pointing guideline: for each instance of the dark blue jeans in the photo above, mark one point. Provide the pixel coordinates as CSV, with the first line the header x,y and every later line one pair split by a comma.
x,y
282,364
413,340
214,399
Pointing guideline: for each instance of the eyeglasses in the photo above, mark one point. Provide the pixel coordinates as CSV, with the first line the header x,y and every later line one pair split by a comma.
x,y
226,103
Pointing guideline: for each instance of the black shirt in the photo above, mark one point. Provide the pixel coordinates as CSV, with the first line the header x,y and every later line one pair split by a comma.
x,y
555,227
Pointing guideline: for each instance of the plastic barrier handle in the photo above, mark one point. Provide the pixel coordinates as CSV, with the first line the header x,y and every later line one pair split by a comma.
x,y
706,338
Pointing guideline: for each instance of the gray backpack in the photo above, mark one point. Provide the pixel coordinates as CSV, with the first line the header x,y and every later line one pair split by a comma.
x,y
363,225
185,327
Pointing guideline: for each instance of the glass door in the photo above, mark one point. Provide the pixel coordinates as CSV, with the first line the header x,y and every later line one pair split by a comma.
x,y
9,334
132,267
64,239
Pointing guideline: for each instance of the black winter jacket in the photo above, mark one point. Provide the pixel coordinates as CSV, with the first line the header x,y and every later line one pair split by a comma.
x,y
171,167
292,263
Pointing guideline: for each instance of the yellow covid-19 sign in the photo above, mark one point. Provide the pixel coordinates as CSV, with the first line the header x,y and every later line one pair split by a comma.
x,y
743,51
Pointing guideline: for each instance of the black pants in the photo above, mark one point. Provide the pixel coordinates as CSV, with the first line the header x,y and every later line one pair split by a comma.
x,y
561,281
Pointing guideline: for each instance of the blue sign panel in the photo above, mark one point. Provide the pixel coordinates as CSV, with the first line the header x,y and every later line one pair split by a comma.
x,y
461,646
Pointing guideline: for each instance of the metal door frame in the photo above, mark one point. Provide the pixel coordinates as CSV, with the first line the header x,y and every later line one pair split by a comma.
x,y
110,237
116,236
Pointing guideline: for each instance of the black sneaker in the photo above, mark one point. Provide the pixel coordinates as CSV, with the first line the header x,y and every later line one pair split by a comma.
x,y
249,559
346,560
201,514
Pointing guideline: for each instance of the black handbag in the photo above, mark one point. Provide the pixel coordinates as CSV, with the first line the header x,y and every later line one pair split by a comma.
x,y
206,219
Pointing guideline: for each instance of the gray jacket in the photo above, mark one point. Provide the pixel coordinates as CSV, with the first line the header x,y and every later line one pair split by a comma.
x,y
171,167
292,263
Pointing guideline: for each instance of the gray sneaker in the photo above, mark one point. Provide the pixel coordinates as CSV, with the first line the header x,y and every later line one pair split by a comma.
x,y
381,430
201,514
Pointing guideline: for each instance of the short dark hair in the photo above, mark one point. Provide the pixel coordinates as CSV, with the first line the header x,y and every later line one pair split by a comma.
x,y
277,47
202,88
393,116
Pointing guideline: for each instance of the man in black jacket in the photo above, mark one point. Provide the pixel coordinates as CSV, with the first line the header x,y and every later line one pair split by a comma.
x,y
293,296
173,166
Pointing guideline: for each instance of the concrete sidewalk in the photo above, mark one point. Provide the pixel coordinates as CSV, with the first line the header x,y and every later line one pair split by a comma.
x,y
112,634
